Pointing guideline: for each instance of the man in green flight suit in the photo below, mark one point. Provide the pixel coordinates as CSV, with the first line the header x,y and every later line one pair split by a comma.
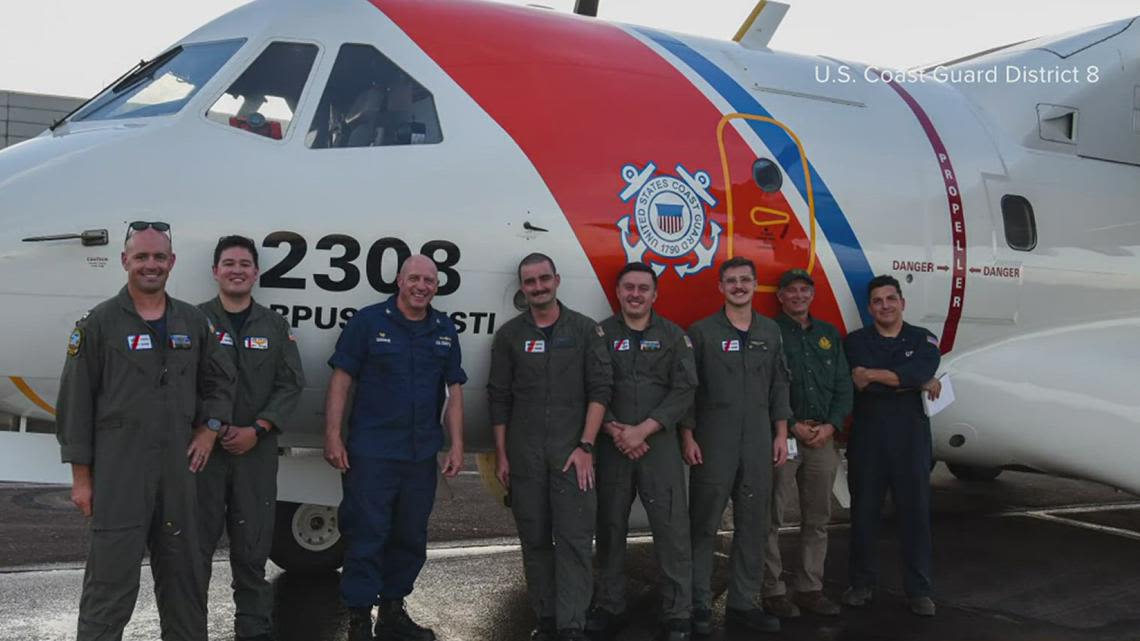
x,y
549,385
737,432
237,490
144,388
821,396
640,455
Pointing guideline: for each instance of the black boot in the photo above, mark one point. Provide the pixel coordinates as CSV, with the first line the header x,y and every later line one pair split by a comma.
x,y
544,631
360,624
394,624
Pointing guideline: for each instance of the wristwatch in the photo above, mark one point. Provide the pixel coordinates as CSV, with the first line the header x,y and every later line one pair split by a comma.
x,y
259,429
213,424
586,447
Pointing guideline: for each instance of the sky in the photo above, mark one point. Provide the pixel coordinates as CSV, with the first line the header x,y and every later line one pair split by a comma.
x,y
75,47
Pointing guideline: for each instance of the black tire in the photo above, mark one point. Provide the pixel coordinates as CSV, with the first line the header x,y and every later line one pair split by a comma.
x,y
306,539
973,473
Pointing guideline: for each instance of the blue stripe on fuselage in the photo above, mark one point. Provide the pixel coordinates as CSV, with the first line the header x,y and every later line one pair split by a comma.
x,y
848,251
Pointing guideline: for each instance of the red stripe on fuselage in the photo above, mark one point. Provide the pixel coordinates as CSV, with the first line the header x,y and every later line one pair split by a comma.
x,y
583,99
957,218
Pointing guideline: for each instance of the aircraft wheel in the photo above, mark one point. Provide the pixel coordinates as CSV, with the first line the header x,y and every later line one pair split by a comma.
x,y
306,539
973,473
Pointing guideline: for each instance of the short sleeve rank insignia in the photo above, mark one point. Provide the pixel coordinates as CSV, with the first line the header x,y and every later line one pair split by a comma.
x,y
74,342
824,342
688,342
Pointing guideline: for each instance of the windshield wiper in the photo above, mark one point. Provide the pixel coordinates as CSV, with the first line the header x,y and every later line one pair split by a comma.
x,y
123,82
143,70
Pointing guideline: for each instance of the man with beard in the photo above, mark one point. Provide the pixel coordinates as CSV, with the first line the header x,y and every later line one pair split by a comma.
x,y
144,388
404,357
640,455
237,490
737,432
549,385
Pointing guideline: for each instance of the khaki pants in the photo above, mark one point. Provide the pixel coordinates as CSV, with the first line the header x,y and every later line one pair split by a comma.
x,y
811,475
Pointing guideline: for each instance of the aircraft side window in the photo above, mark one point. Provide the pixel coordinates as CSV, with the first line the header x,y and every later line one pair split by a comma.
x,y
370,102
264,98
1020,224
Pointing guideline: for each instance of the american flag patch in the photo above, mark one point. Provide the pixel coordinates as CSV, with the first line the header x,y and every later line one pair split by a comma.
x,y
621,345
534,347
670,217
136,342
225,339
256,342
730,346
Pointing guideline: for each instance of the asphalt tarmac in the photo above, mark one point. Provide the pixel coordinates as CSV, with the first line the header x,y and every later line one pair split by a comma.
x,y
1025,557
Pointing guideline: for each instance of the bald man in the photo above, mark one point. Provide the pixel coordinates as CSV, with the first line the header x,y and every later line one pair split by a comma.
x,y
144,391
402,355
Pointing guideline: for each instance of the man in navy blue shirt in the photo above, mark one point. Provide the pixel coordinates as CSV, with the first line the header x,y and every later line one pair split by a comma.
x,y
892,364
404,357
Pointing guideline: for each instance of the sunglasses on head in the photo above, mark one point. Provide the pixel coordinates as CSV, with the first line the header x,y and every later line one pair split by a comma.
x,y
143,225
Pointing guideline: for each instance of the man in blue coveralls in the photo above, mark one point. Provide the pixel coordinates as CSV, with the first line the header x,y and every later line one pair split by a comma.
x,y
892,363
404,358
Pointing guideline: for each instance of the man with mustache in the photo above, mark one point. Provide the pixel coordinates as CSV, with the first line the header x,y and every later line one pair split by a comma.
x,y
640,455
237,490
548,388
145,388
892,364
737,432
404,357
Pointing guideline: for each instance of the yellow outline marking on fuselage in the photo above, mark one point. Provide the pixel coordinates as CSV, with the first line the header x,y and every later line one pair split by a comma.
x,y
728,187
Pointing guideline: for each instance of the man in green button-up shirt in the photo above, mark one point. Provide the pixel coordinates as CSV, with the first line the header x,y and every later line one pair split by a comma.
x,y
821,396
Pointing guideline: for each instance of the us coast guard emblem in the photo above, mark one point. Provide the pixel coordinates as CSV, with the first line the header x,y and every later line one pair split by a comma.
x,y
670,214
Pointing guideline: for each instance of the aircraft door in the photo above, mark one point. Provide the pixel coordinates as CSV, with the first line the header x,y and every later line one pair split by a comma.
x,y
761,222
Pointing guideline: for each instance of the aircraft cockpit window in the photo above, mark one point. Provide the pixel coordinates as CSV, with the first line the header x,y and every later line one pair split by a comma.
x,y
264,98
370,102
163,85
1020,224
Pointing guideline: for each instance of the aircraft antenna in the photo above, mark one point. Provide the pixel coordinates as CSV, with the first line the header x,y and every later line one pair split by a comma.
x,y
586,8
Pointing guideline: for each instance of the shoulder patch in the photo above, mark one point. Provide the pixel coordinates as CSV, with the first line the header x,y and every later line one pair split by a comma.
x,y
75,341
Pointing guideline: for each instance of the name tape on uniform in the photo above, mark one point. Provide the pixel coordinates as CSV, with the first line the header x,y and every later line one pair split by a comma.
x,y
650,346
225,339
730,346
180,341
534,347
137,342
621,345
256,342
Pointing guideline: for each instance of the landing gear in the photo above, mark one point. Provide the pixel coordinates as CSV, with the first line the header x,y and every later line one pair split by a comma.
x,y
306,539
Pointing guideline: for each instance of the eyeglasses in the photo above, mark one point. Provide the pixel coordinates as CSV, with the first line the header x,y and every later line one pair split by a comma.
x,y
143,225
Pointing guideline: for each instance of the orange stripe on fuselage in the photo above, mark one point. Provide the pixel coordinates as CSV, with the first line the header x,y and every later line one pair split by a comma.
x,y
31,395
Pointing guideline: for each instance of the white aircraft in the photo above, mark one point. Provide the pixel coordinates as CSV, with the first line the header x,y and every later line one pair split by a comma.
x,y
345,135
